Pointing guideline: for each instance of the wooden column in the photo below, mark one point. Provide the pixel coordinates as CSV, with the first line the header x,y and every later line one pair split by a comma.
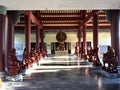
x,y
37,37
95,31
27,33
42,37
84,34
115,32
10,32
37,32
79,38
2,39
84,40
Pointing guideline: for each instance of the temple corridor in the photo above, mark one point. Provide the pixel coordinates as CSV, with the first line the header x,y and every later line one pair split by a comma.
x,y
64,73
63,45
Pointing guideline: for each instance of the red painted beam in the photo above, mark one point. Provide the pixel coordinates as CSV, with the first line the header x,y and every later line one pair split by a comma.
x,y
50,14
34,19
61,27
66,22
90,16
102,22
76,22
55,18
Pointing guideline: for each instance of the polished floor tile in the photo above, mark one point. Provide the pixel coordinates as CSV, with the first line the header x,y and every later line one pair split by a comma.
x,y
69,73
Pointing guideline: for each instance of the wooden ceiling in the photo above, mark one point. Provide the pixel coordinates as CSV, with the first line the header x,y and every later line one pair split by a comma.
x,y
65,19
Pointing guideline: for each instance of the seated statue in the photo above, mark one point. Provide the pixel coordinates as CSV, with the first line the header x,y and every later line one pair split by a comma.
x,y
96,60
12,57
111,60
76,50
32,55
13,63
90,53
44,51
27,62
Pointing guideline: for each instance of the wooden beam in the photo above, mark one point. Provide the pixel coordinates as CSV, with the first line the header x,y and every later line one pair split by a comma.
x,y
55,18
59,18
67,22
59,14
34,19
61,22
90,16
99,18
104,22
60,27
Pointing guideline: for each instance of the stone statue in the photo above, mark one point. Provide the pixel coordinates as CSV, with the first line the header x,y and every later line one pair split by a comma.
x,y
96,60
27,60
44,51
111,60
76,50
90,53
13,63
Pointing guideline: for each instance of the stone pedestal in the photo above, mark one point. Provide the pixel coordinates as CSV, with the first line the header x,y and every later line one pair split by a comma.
x,y
18,77
61,53
109,75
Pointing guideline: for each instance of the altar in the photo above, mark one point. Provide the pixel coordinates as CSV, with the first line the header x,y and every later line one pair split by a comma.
x,y
61,50
61,53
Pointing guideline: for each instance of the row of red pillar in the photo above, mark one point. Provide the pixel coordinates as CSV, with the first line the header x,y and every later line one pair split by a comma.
x,y
115,32
39,34
7,37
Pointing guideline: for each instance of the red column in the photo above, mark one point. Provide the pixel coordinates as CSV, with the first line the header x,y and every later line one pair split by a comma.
x,y
27,33
10,32
38,32
84,34
115,32
84,40
79,38
95,31
42,37
2,39
37,37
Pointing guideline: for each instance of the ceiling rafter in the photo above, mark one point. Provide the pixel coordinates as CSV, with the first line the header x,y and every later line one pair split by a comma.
x,y
64,18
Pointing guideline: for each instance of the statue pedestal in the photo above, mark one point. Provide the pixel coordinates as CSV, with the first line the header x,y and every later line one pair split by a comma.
x,y
61,53
118,70
104,73
109,75
18,77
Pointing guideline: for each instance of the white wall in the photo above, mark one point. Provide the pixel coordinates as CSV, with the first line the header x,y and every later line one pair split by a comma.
x,y
51,37
104,39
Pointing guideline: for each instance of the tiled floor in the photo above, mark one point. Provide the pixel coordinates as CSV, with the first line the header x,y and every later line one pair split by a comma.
x,y
64,73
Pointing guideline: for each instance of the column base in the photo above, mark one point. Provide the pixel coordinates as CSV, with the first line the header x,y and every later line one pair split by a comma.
x,y
2,74
18,77
109,75
118,70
